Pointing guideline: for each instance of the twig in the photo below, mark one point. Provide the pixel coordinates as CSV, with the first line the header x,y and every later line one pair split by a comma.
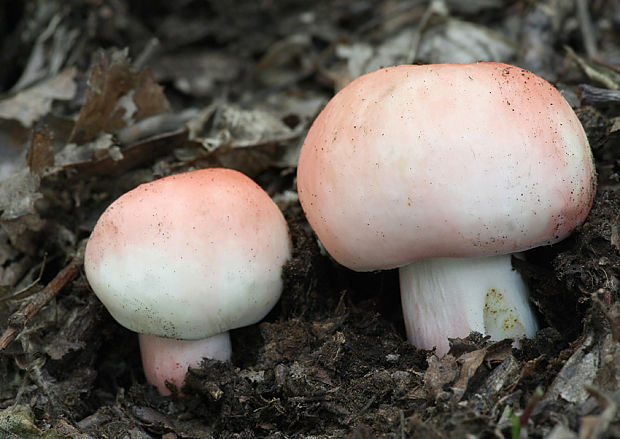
x,y
605,419
436,8
603,76
26,290
585,25
150,49
596,96
519,423
529,408
22,317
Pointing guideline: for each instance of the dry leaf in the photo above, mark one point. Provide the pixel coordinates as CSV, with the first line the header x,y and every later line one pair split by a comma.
x,y
578,371
14,138
470,362
226,125
149,96
18,422
561,432
31,104
18,194
196,73
503,376
441,371
40,157
457,41
595,426
117,96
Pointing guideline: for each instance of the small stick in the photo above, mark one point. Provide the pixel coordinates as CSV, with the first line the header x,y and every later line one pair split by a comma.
x,y
22,317
529,408
585,25
596,96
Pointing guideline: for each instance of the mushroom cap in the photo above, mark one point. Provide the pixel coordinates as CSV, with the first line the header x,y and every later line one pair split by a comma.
x,y
447,160
190,255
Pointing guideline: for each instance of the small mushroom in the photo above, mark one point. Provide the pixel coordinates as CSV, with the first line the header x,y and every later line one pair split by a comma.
x,y
183,260
445,171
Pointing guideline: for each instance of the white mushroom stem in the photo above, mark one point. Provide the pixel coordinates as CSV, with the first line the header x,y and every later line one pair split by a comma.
x,y
451,297
167,359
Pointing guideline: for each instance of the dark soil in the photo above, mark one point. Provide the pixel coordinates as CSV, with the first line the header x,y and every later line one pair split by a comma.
x,y
237,84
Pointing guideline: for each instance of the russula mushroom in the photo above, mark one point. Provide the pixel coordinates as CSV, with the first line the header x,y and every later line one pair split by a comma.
x,y
183,260
445,171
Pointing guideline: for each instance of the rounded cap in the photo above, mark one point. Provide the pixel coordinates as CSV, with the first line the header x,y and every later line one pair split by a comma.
x,y
190,255
447,160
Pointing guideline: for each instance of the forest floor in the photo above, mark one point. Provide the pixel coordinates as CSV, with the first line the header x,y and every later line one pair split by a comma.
x,y
99,96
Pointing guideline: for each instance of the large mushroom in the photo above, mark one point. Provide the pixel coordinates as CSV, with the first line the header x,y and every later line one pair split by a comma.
x,y
445,171
183,260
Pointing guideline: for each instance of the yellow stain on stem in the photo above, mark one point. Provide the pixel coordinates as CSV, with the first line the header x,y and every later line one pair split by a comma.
x,y
500,317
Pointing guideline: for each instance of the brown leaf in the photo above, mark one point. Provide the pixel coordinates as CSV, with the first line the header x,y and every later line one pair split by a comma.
x,y
149,96
441,371
40,157
498,351
116,94
470,362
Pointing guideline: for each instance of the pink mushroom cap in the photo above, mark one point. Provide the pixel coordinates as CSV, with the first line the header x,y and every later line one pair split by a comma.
x,y
188,257
448,160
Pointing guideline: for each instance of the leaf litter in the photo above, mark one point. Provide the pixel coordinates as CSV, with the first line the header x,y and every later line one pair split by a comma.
x,y
145,92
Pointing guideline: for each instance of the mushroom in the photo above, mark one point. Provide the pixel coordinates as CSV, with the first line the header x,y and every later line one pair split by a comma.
x,y
183,260
445,171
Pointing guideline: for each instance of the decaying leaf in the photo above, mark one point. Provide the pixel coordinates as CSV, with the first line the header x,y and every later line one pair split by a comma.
x,y
225,125
31,104
99,148
18,422
595,361
271,69
13,265
196,73
14,138
448,40
455,372
18,194
502,377
541,22
578,371
595,426
470,362
117,95
40,157
560,431
53,43
440,372
457,41
602,75
247,140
